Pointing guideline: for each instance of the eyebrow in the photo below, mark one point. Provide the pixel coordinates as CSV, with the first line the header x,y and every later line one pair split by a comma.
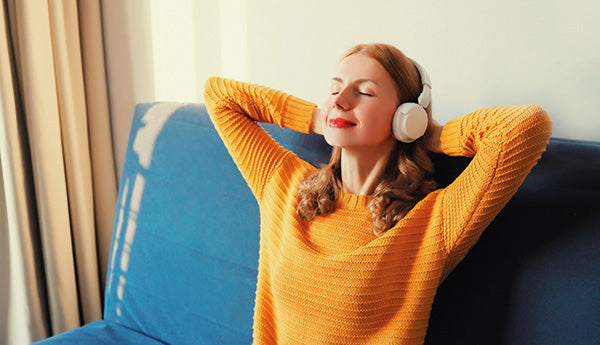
x,y
358,81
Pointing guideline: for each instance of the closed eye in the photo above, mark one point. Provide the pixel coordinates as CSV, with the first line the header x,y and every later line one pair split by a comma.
x,y
366,94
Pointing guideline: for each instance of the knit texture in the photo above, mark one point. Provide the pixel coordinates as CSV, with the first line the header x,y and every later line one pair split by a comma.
x,y
331,280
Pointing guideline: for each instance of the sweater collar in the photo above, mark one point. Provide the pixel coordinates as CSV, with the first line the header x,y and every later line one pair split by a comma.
x,y
353,201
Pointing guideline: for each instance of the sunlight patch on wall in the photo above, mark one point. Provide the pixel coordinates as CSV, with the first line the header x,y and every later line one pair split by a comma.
x,y
192,40
173,46
234,38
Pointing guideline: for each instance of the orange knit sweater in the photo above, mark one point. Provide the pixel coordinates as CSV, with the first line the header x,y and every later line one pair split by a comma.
x,y
331,281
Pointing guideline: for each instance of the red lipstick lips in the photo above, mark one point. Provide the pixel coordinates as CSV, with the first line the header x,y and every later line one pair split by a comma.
x,y
340,123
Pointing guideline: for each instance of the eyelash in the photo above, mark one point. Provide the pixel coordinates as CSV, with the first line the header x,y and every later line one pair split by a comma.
x,y
361,93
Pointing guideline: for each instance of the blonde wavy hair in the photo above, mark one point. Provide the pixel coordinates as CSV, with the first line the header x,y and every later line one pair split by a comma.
x,y
408,177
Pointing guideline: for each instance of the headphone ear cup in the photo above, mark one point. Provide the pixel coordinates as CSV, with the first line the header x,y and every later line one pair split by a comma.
x,y
409,122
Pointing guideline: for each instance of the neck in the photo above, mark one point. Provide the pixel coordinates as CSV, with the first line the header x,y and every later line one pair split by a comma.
x,y
362,168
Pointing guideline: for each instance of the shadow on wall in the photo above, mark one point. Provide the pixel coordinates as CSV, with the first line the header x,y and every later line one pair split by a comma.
x,y
129,66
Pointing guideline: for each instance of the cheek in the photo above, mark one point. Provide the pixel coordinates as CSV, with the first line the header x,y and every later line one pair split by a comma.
x,y
380,117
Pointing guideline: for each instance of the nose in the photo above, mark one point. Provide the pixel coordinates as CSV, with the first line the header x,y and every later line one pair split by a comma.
x,y
343,100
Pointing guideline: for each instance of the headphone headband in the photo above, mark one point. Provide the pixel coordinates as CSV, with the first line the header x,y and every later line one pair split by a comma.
x,y
425,97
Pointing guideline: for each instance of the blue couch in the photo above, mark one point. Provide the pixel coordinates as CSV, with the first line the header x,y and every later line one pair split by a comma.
x,y
184,254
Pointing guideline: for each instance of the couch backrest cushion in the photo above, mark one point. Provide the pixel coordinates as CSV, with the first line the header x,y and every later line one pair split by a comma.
x,y
534,276
184,254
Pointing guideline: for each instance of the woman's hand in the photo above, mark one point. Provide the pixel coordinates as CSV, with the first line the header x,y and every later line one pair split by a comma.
x,y
432,138
319,116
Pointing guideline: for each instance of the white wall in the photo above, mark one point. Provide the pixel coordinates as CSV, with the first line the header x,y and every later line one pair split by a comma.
x,y
478,53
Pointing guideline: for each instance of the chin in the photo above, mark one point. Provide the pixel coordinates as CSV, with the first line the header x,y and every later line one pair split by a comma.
x,y
353,141
343,144
335,140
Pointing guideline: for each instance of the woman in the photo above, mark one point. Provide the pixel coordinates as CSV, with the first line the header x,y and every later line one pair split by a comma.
x,y
353,253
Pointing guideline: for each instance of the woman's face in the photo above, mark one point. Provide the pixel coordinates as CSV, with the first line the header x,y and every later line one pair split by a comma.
x,y
361,105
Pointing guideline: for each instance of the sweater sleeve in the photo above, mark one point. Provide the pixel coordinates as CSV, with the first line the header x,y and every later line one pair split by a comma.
x,y
235,108
505,143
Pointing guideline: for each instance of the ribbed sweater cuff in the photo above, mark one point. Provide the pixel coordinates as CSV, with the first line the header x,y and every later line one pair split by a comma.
x,y
297,114
451,138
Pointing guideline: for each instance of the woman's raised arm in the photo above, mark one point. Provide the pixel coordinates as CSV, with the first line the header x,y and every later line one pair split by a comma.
x,y
505,143
235,107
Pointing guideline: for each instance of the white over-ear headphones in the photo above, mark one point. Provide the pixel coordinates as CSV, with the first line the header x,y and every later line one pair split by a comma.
x,y
410,119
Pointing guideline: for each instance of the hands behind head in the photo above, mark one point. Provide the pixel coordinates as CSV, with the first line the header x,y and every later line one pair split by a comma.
x,y
319,116
433,135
